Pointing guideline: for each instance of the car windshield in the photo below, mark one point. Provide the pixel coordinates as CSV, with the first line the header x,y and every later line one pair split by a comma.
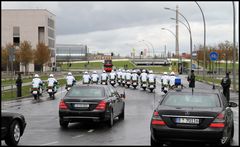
x,y
86,92
189,100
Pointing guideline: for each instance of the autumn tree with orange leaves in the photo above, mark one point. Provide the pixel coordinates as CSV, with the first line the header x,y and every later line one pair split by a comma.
x,y
42,55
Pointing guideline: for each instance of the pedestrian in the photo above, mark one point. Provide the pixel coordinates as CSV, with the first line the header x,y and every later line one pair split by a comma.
x,y
191,80
226,83
19,85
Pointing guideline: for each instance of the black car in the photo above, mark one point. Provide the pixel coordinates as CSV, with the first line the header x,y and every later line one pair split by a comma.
x,y
202,116
12,127
91,103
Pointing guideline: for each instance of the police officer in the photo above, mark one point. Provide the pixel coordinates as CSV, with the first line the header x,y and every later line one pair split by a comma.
x,y
86,78
19,85
226,83
191,80
95,77
70,79
52,82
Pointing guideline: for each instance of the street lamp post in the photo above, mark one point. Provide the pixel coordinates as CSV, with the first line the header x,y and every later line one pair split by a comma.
x,y
146,45
189,28
204,43
234,47
177,44
151,45
190,32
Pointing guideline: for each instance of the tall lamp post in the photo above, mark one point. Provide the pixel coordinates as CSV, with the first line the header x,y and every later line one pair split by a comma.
x,y
234,47
204,43
177,43
151,45
189,28
190,32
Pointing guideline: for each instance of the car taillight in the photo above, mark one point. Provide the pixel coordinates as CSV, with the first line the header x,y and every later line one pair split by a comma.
x,y
101,105
157,120
219,121
62,105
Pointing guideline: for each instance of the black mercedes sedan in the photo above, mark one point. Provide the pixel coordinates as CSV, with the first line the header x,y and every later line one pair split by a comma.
x,y
12,127
91,103
201,116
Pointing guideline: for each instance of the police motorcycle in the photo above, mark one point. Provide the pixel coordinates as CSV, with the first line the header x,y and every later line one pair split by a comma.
x,y
52,90
119,80
134,81
95,79
128,78
165,87
112,81
37,91
69,86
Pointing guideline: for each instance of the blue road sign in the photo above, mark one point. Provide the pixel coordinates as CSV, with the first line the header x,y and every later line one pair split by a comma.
x,y
213,56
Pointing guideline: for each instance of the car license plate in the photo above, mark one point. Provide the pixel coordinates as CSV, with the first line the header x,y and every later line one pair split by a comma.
x,y
35,92
49,90
81,105
187,120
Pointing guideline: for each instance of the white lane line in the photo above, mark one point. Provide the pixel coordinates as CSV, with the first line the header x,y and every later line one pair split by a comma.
x,y
49,143
77,136
90,130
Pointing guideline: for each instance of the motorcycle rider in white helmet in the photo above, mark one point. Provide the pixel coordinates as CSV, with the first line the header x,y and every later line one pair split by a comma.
x,y
165,80
70,80
119,76
151,78
134,78
143,77
86,78
104,77
37,83
95,77
172,78
52,82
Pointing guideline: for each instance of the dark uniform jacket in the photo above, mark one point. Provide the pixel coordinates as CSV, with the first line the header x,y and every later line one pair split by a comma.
x,y
191,81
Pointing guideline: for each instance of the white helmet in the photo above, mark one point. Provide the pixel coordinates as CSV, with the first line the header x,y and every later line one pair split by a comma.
x,y
144,70
85,72
104,71
94,72
134,71
123,70
51,75
36,76
150,71
165,73
69,73
128,71
172,73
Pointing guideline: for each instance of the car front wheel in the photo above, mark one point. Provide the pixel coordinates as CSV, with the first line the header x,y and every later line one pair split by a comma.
x,y
14,134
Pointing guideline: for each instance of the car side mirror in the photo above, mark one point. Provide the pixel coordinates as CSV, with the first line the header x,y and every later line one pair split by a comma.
x,y
232,104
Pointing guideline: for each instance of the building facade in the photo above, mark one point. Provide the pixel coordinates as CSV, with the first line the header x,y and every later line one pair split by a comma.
x,y
33,25
71,52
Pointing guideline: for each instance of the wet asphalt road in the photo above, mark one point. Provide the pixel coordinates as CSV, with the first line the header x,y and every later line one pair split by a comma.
x,y
43,124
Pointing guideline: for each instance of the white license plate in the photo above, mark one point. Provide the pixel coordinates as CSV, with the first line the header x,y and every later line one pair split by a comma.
x,y
134,83
187,120
81,105
112,82
49,90
151,86
144,85
119,81
68,88
103,82
35,92
128,82
165,88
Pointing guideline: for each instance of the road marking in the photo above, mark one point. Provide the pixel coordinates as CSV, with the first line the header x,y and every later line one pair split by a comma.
x,y
90,131
49,143
77,136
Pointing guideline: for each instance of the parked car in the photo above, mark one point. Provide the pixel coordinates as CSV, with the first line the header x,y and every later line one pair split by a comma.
x,y
12,127
91,103
202,116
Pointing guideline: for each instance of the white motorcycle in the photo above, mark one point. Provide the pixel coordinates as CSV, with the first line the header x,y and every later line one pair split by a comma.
x,y
134,84
151,86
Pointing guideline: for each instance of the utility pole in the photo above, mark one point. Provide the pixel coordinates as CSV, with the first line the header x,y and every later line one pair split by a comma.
x,y
177,47
234,49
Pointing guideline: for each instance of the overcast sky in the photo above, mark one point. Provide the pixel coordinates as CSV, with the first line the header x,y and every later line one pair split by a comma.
x,y
119,26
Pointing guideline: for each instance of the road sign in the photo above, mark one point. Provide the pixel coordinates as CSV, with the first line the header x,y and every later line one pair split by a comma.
x,y
213,56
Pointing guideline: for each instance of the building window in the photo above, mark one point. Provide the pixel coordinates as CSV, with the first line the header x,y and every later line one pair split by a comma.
x,y
16,31
51,33
51,43
16,41
51,23
41,37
